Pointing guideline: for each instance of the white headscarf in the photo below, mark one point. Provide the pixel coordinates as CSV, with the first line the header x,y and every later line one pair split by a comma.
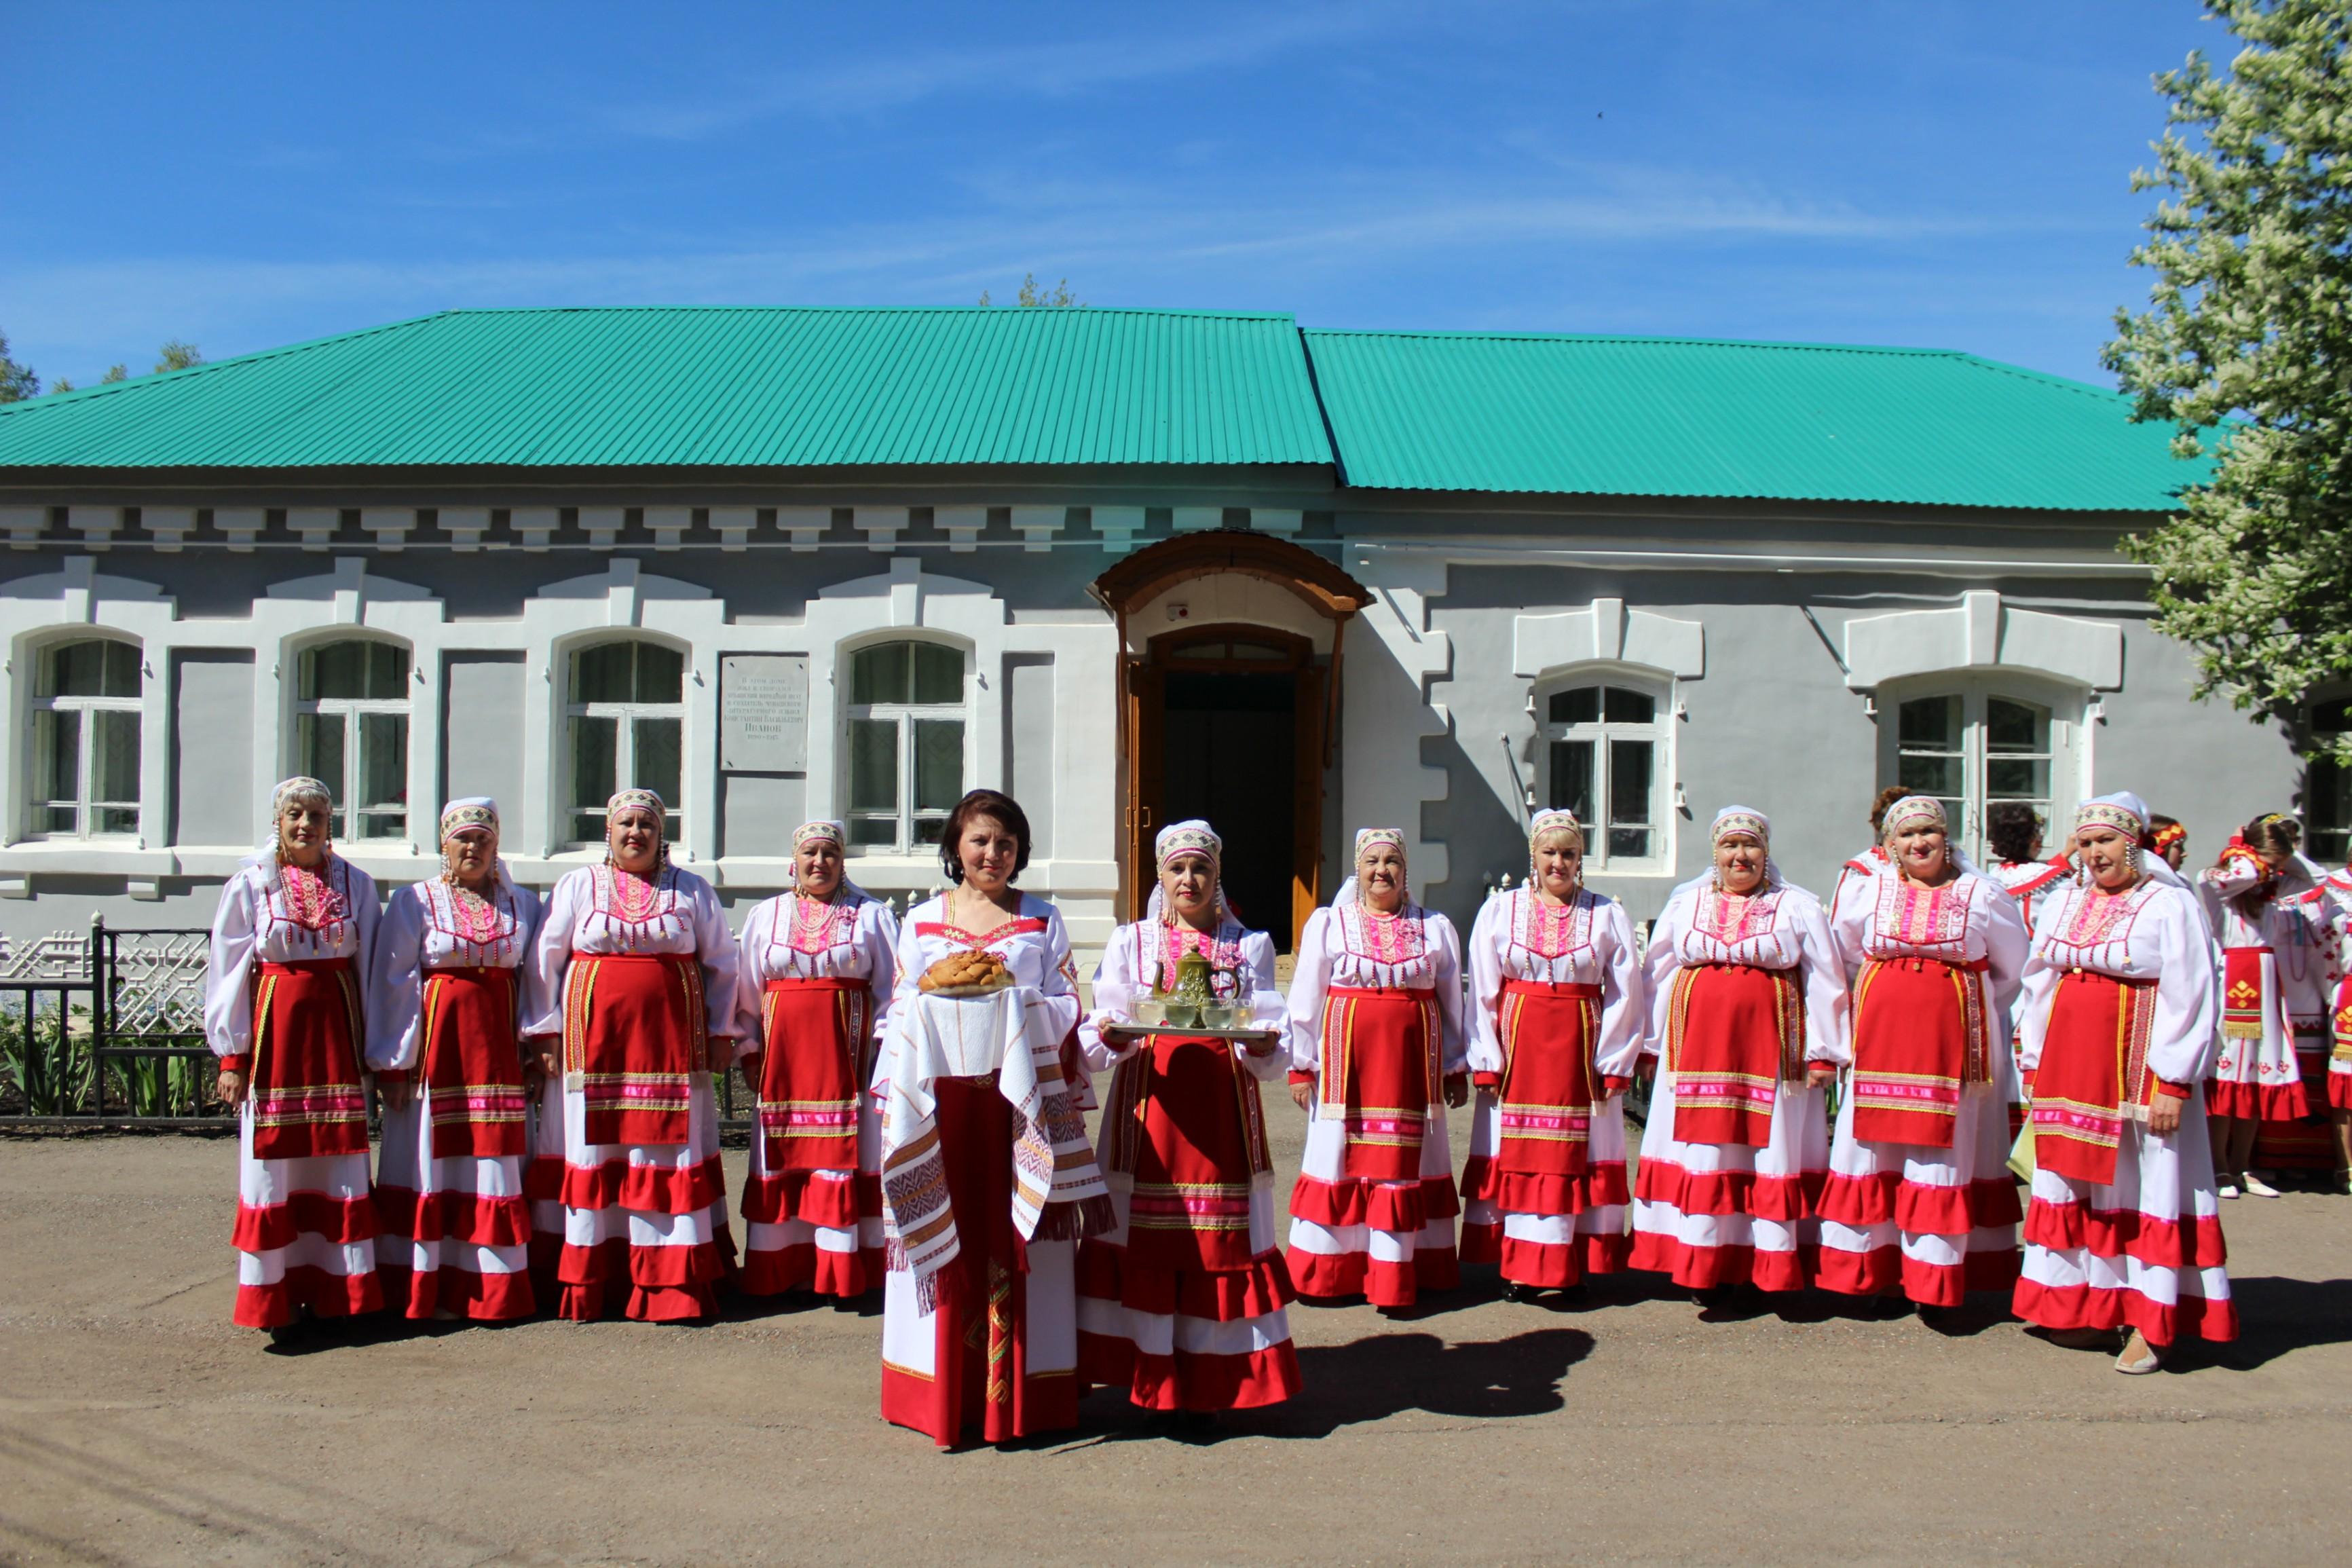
x,y
300,787
1915,809
2127,815
1365,839
1730,820
1190,837
837,834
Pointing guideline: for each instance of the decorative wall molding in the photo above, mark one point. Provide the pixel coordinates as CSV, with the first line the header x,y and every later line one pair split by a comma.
x,y
1979,633
1608,632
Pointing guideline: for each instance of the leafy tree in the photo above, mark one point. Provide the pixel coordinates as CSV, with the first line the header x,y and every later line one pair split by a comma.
x,y
114,372
1059,298
177,355
17,381
2245,348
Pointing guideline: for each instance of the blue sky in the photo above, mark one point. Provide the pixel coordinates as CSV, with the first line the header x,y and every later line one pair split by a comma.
x,y
1906,172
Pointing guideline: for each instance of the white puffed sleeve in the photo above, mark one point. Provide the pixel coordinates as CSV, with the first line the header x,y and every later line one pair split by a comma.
x,y
2007,941
1853,908
1445,961
751,974
722,962
530,916
1665,957
877,932
1060,987
1265,1005
551,954
1310,979
228,970
1821,976
1116,985
1625,1006
1486,958
2185,1035
395,980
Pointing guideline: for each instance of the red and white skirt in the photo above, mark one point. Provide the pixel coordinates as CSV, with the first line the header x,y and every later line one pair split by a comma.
x,y
306,1220
645,1217
1182,1304
2257,1074
1912,1218
456,1237
812,1200
1544,1191
1733,1213
1372,1210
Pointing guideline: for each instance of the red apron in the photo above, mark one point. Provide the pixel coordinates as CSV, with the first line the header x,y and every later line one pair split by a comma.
x,y
1734,1034
307,1029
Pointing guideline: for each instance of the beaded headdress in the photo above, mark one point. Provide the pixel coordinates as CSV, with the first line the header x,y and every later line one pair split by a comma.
x,y
475,811
1914,811
1738,819
823,830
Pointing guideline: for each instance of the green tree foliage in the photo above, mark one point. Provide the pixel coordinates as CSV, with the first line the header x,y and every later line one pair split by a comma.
x,y
17,381
1058,296
177,355
114,372
2247,348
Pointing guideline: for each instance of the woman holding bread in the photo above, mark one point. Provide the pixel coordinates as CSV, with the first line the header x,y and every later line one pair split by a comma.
x,y
1182,1304
988,1180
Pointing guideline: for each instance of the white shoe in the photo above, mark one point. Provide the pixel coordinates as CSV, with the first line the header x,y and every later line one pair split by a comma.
x,y
2257,1187
2227,1187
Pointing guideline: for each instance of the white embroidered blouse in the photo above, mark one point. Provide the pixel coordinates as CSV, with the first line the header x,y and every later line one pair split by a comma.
x,y
1142,956
1969,920
601,912
427,927
257,923
1347,946
1589,942
2153,932
1779,927
855,937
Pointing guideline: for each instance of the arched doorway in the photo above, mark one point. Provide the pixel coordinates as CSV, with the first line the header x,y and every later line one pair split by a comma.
x,y
1231,644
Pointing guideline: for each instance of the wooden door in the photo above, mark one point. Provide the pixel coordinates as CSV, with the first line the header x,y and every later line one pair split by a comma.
x,y
1307,800
1147,685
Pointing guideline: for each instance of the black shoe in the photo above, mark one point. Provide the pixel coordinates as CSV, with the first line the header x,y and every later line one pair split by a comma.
x,y
1514,1291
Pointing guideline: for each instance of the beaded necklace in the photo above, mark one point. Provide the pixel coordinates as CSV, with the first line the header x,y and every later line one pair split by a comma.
x,y
634,898
311,901
475,918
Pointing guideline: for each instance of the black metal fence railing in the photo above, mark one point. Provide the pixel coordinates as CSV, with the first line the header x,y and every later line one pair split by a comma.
x,y
111,1033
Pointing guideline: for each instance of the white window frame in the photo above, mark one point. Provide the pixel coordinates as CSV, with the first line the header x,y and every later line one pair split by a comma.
x,y
1660,734
39,802
2313,778
350,708
624,745
2068,754
904,715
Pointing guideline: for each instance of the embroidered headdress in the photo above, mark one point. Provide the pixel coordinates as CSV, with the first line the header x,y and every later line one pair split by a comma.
x,y
1555,820
1738,819
638,800
821,830
1914,811
300,787
1368,838
2166,837
474,811
310,897
1194,836
2125,813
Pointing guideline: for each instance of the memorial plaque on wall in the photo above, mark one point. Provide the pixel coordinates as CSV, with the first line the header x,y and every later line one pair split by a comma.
x,y
763,714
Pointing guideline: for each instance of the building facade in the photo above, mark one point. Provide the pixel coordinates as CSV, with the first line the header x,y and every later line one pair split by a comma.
x,y
1129,566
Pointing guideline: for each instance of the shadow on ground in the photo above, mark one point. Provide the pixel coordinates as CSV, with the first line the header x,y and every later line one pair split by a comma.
x,y
2277,1317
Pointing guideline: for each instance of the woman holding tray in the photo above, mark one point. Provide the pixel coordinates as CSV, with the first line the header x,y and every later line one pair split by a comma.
x,y
988,1180
1920,1203
446,1001
1748,1005
2122,1232
290,949
636,973
1556,1004
1182,1303
819,965
1376,1037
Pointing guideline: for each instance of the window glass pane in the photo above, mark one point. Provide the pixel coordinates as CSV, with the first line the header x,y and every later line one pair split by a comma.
x,y
605,673
114,763
879,674
873,767
1629,782
384,775
59,819
118,818
938,764
1930,724
2332,718
596,745
659,746
122,669
1629,842
2327,795
874,831
1630,707
387,666
319,746
2017,778
73,669
2016,726
57,749
1581,705
661,675
1572,777
1260,651
336,671
930,829
1938,776
939,674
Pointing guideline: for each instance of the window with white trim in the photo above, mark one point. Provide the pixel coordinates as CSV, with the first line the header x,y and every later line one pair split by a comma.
x,y
904,743
627,729
1975,745
2327,787
85,751
1604,756
350,732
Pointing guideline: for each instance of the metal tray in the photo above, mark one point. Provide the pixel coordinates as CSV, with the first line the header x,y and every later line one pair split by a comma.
x,y
1196,1031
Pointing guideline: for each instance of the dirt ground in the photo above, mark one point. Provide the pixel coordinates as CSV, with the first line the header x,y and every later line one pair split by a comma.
x,y
137,1425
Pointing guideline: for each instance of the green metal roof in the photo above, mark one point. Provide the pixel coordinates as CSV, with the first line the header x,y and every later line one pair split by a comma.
x,y
714,386
1668,416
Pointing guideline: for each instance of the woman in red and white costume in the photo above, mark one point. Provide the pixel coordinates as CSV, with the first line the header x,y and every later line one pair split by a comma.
x,y
1558,1012
2255,896
819,965
2115,1035
1920,1203
2013,834
1378,1048
1747,1007
988,1179
636,970
2332,913
445,1000
1182,1304
285,1013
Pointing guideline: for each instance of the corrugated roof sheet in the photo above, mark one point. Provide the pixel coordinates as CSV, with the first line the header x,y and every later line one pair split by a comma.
x,y
1664,416
714,386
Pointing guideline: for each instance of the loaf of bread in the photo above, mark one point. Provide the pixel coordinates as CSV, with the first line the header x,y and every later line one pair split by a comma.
x,y
972,970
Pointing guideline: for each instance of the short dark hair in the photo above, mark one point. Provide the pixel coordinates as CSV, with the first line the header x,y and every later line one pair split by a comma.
x,y
999,807
1886,798
2010,827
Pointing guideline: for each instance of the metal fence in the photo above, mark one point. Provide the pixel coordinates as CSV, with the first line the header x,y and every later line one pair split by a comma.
x,y
107,1030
